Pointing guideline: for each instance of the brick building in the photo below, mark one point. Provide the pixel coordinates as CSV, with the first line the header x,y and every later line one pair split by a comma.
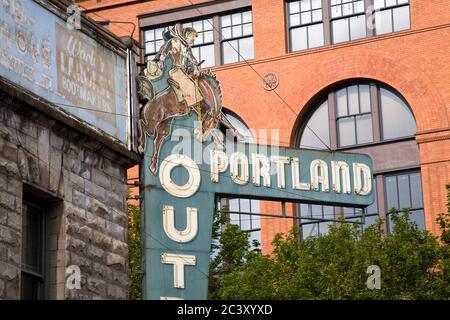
x,y
368,76
63,185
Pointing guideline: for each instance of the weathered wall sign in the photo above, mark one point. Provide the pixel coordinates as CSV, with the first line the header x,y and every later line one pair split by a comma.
x,y
184,173
65,66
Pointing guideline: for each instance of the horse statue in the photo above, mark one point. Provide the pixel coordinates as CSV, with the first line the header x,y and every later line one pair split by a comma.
x,y
162,108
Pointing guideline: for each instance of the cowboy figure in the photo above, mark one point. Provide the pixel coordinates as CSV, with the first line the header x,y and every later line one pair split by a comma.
x,y
185,71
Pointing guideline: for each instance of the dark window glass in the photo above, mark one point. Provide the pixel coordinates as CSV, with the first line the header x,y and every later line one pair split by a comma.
x,y
404,190
313,228
305,24
368,218
237,37
33,252
391,16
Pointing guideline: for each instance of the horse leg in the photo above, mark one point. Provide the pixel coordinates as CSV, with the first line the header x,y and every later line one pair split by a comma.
x,y
161,132
141,141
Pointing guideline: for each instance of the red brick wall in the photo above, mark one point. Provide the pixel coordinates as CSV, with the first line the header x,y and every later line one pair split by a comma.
x,y
415,62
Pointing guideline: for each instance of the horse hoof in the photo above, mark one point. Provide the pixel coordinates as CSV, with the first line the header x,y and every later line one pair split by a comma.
x,y
140,149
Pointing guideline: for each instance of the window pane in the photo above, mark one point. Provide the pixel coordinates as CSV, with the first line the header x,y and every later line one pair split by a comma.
x,y
246,16
237,31
341,98
294,7
357,27
294,20
317,15
391,193
397,119
347,9
159,33
416,190
364,98
401,18
208,36
32,234
336,11
306,17
305,5
383,22
418,217
158,44
236,18
309,230
247,29
378,4
353,103
198,25
403,192
315,4
346,127
207,54
149,35
390,3
364,128
226,33
299,39
208,24
225,21
246,48
150,47
323,227
230,51
315,35
359,6
340,30
319,124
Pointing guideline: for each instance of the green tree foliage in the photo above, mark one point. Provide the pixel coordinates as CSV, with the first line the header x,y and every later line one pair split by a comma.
x,y
413,263
134,251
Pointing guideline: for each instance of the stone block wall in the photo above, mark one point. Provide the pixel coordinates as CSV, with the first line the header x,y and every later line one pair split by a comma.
x,y
83,185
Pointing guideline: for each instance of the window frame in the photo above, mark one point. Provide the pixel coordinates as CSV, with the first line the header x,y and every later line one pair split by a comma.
x,y
306,25
327,21
192,13
41,276
377,125
397,174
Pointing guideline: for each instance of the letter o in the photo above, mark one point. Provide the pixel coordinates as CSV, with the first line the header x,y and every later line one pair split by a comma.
x,y
193,183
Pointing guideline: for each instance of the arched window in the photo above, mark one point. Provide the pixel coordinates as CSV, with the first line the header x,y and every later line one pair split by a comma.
x,y
240,207
366,117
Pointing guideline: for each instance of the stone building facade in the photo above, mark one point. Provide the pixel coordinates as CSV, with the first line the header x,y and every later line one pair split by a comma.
x,y
63,201
81,184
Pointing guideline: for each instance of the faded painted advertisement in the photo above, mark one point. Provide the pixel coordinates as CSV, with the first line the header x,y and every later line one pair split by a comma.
x,y
84,73
64,66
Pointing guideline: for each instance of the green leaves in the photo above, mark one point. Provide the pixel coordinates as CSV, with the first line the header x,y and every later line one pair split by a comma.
x,y
413,264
